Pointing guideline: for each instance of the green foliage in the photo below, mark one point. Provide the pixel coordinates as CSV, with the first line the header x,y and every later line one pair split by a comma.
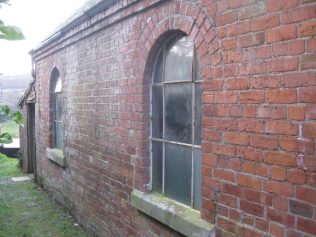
x,y
8,32
5,110
5,138
17,117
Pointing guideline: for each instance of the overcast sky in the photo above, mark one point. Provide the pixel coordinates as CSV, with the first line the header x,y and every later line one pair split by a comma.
x,y
37,19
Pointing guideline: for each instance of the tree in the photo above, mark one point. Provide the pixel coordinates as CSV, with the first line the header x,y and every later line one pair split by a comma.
x,y
9,33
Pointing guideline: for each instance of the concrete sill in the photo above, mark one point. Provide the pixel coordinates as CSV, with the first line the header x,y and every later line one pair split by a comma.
x,y
57,156
173,214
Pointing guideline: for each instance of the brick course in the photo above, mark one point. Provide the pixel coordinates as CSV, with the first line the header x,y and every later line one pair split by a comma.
x,y
258,68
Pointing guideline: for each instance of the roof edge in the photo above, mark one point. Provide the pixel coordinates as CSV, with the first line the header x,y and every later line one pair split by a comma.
x,y
26,93
85,15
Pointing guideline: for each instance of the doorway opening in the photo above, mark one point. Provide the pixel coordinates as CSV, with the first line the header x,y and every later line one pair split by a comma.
x,y
31,143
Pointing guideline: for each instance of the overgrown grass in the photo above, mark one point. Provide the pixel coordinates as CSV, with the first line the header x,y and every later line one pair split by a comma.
x,y
27,211
10,127
9,166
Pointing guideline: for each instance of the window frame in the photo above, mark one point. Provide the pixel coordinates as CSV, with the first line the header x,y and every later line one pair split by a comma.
x,y
174,38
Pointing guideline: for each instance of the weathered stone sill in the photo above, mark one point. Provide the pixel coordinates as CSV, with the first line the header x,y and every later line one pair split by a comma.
x,y
173,214
57,156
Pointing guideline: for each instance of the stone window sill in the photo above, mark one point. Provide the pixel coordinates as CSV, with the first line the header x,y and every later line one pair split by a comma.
x,y
173,214
57,156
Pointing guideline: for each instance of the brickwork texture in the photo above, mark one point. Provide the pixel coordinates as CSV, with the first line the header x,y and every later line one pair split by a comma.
x,y
258,64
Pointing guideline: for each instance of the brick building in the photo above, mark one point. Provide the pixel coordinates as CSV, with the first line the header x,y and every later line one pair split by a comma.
x,y
171,118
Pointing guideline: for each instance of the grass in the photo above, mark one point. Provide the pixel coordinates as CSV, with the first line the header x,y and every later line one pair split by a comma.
x,y
27,211
9,166
10,127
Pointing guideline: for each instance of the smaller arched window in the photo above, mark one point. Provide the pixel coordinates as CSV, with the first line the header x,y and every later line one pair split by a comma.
x,y
57,107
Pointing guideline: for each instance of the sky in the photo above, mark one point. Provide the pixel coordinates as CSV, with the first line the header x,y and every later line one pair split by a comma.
x,y
37,19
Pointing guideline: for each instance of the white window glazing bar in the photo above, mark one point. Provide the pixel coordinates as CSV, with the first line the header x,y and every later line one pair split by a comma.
x,y
175,143
176,82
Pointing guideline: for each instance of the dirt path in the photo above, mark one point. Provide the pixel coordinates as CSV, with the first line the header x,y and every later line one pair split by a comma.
x,y
27,211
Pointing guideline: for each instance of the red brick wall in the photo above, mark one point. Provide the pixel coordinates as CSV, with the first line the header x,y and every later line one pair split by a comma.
x,y
258,65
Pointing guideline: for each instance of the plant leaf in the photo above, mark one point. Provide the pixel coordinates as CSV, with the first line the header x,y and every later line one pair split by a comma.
x,y
11,33
5,110
5,138
17,117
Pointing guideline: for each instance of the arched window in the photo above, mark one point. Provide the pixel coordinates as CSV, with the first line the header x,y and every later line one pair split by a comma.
x,y
57,108
176,122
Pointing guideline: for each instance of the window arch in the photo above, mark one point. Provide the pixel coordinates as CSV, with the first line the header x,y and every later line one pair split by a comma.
x,y
57,110
176,122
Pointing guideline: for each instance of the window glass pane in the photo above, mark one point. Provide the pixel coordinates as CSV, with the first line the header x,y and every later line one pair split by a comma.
x,y
178,173
157,166
179,57
58,107
58,85
197,179
178,112
59,135
197,71
157,112
197,115
158,71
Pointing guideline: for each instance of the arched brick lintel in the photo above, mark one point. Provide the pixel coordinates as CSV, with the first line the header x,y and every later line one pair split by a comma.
x,y
203,35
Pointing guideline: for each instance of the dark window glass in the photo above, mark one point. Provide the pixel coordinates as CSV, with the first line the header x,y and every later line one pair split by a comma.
x,y
178,114
59,108
158,73
197,113
178,173
59,135
157,166
197,68
157,112
197,178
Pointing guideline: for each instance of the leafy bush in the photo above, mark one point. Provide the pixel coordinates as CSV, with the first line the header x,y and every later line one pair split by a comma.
x,y
17,117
